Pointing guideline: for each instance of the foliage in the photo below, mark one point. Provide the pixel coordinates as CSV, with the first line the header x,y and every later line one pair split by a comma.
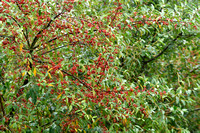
x,y
99,66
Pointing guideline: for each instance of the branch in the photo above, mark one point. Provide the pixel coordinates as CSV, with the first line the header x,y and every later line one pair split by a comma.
x,y
197,67
82,82
1,102
25,35
14,20
191,71
196,109
60,47
36,38
193,110
56,49
2,81
154,58
6,36
68,115
114,16
39,61
58,37
20,8
53,39
48,123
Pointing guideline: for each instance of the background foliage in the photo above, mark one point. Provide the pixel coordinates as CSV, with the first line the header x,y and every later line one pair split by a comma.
x,y
99,66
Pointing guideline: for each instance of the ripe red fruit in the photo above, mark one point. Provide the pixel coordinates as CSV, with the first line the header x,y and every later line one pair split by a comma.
x,y
119,7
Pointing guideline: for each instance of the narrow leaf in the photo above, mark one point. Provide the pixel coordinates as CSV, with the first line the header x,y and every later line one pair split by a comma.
x,y
21,46
34,71
59,95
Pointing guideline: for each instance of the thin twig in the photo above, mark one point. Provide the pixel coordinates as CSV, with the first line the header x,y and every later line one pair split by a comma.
x,y
45,27
152,59
82,82
60,47
53,39
6,36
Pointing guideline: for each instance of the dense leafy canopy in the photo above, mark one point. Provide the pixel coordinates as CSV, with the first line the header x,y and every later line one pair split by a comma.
x,y
99,66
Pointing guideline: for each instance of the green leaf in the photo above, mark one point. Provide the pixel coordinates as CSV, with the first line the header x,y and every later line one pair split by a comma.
x,y
33,94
